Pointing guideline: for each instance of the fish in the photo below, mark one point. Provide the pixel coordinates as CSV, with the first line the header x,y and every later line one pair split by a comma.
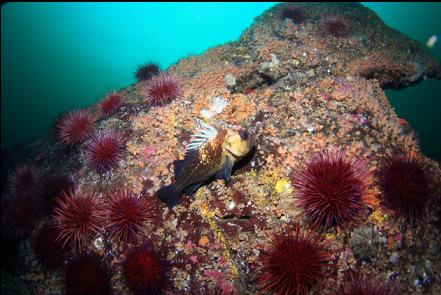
x,y
211,154
431,41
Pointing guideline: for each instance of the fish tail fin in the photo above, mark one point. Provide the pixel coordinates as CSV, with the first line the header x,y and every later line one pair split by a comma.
x,y
170,195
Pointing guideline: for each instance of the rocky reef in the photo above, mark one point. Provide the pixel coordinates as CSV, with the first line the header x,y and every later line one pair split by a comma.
x,y
307,80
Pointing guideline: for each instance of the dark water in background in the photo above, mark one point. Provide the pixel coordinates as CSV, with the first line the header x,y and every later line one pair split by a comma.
x,y
57,57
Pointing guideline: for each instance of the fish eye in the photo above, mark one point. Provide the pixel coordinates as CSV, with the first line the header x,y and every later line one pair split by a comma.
x,y
245,135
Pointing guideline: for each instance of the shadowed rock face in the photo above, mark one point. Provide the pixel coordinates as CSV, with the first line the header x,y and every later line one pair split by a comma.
x,y
300,91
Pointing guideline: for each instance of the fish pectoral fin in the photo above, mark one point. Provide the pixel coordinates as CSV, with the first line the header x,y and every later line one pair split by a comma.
x,y
170,195
191,189
225,172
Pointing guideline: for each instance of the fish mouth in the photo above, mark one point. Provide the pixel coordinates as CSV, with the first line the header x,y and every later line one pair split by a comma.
x,y
237,157
232,154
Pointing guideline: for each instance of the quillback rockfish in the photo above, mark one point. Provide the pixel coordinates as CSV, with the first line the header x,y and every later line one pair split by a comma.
x,y
210,154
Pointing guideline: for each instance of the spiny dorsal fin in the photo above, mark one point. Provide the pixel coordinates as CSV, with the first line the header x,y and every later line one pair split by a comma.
x,y
202,135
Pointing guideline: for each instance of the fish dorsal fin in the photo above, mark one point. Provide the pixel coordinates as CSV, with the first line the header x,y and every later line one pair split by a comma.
x,y
202,135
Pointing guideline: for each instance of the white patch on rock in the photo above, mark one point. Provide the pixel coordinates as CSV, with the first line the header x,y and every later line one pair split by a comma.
x,y
230,80
218,104
270,66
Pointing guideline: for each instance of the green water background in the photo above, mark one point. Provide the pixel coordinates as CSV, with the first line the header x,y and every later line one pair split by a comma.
x,y
57,57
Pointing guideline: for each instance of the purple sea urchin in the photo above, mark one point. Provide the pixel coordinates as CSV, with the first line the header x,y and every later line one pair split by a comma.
x,y
147,71
296,14
78,218
162,89
405,184
335,25
294,263
105,150
331,188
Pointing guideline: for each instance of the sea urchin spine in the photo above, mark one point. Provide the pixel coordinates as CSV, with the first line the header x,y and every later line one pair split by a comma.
x,y
87,275
145,271
47,248
20,214
335,25
78,218
331,188
147,71
405,184
74,127
55,185
294,263
125,215
105,150
24,180
162,89
111,103
296,14
357,284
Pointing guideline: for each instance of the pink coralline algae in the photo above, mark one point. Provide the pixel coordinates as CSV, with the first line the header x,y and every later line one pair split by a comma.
x,y
194,259
219,278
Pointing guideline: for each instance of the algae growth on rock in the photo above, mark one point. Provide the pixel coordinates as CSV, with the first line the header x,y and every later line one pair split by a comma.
x,y
305,78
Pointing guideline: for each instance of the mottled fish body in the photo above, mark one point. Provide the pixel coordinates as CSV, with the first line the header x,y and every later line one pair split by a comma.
x,y
210,154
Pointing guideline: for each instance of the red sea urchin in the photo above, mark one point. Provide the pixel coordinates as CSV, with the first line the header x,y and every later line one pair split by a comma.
x,y
74,127
55,185
125,215
405,184
356,284
335,25
24,180
87,274
47,248
78,218
20,214
145,271
147,71
111,104
162,89
105,150
294,263
296,14
331,188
